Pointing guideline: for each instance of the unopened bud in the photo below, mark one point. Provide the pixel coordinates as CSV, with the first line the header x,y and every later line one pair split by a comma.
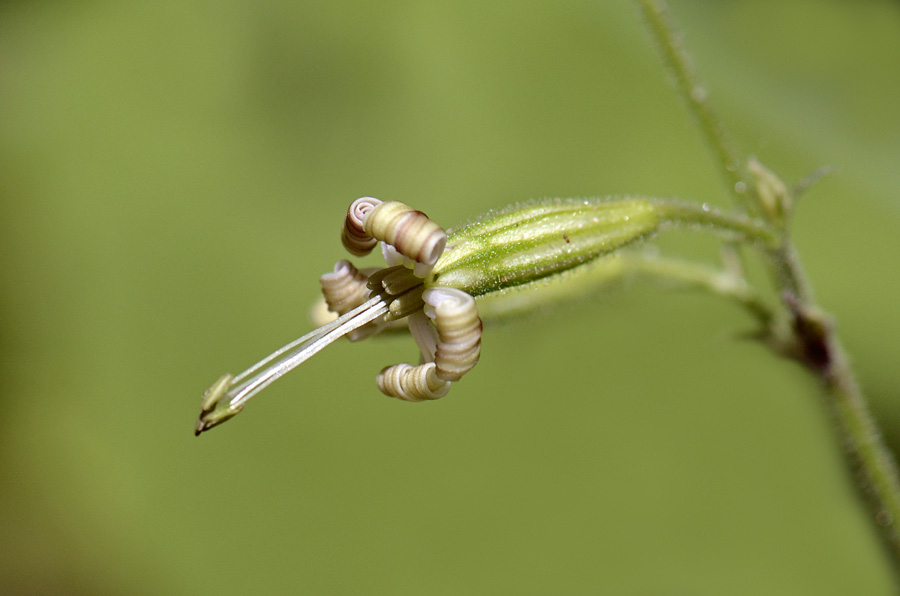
x,y
773,194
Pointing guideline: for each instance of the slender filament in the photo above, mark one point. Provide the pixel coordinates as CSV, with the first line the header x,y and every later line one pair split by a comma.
x,y
269,369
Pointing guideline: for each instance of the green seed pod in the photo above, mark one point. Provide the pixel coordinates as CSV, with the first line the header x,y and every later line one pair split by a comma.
x,y
529,242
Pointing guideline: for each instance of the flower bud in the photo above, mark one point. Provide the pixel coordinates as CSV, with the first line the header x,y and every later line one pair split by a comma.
x,y
772,192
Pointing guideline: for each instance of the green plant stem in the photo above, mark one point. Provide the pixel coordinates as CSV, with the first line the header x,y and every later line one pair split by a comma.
x,y
607,271
812,339
875,466
789,273
695,94
818,347
682,212
704,277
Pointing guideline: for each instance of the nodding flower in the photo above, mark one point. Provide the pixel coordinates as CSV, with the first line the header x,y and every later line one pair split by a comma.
x,y
433,279
444,321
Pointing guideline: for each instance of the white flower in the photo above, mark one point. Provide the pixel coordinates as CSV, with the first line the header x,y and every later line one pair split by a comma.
x,y
432,281
443,321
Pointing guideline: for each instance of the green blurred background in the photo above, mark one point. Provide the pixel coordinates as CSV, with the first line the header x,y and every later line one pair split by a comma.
x,y
174,176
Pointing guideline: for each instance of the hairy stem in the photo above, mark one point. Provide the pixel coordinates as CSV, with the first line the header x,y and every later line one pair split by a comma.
x,y
695,94
608,271
875,466
812,339
707,278
754,230
817,347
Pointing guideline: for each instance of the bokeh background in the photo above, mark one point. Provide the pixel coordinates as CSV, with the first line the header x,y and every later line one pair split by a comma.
x,y
172,181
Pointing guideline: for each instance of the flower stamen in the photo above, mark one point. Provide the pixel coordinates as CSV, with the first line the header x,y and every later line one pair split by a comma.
x,y
237,391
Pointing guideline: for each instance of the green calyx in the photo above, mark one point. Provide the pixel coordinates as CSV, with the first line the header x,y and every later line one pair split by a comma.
x,y
529,242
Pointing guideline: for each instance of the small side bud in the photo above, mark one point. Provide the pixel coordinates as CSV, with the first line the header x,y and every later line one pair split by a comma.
x,y
773,194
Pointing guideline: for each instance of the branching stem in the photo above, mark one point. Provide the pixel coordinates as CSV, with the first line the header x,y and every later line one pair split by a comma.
x,y
747,228
812,339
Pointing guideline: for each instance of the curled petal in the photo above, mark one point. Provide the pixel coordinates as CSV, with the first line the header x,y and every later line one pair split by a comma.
x,y
459,331
354,236
409,231
345,288
412,383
